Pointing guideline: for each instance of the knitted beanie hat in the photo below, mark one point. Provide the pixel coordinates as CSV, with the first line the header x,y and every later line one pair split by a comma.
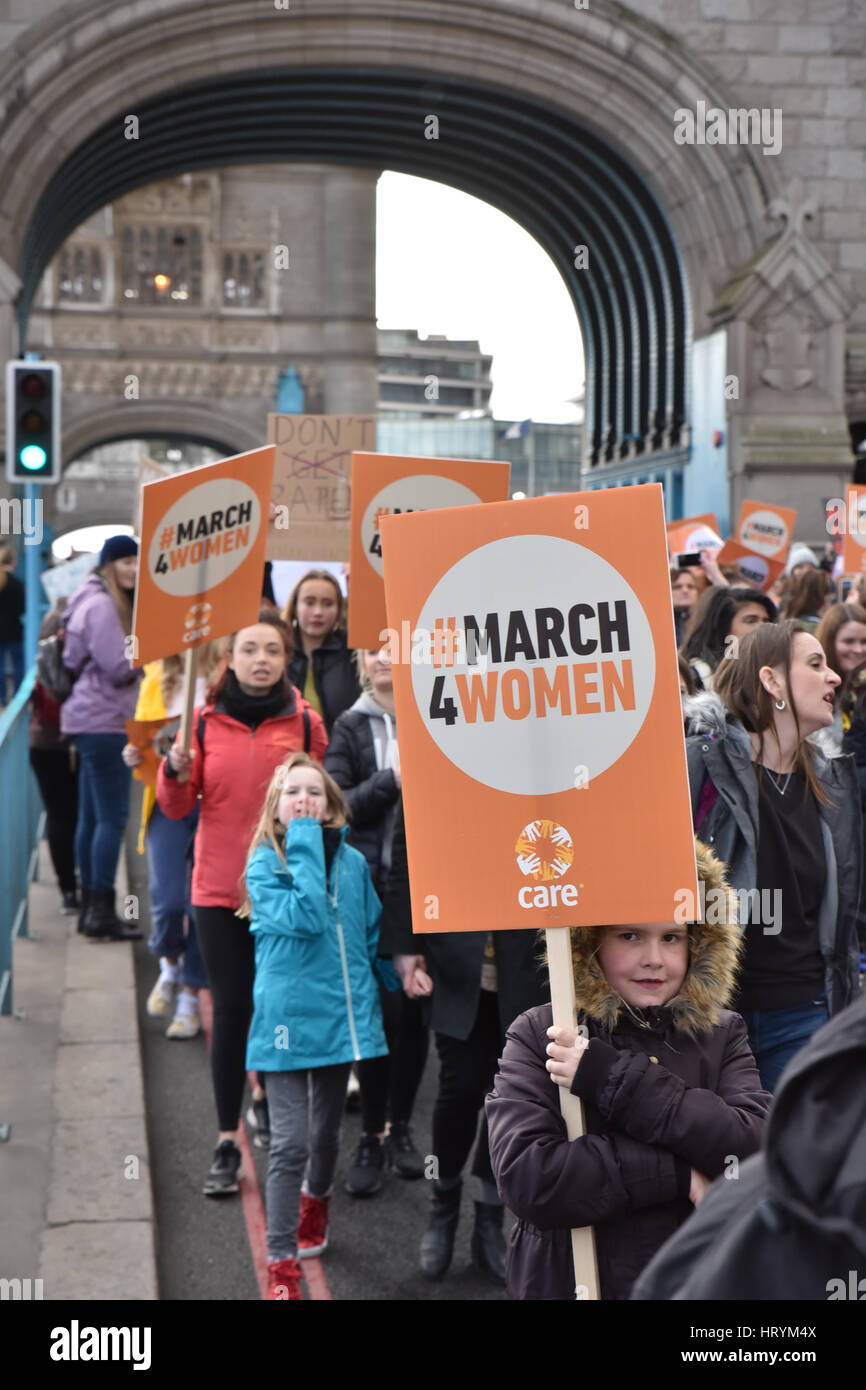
x,y
117,548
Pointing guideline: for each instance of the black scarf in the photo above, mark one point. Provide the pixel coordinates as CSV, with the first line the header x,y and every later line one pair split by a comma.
x,y
252,709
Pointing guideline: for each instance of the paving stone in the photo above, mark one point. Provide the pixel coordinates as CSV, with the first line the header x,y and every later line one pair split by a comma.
x,y
95,1081
98,1260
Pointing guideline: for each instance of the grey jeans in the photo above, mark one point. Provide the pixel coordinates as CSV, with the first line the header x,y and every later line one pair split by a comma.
x,y
306,1109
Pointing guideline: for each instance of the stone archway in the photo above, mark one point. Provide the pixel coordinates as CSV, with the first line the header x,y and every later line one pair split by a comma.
x,y
562,117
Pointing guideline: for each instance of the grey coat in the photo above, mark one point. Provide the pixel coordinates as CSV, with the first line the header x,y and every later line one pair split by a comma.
x,y
718,746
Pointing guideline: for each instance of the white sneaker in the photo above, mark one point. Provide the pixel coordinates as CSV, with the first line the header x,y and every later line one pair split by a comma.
x,y
184,1025
161,999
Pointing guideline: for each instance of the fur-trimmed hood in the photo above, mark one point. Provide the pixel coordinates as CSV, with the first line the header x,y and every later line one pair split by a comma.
x,y
714,951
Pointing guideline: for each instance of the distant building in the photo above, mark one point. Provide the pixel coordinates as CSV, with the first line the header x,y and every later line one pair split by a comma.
x,y
431,378
557,448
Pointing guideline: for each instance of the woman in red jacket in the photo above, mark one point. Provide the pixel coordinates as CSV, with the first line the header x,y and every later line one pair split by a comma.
x,y
255,720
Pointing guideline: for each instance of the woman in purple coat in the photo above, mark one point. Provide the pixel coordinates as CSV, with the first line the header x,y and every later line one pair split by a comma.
x,y
98,623
671,1092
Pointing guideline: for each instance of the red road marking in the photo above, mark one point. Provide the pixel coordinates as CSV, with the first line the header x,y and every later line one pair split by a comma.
x,y
251,1197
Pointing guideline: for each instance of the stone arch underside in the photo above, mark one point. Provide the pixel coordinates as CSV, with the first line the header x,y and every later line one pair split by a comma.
x,y
545,149
172,419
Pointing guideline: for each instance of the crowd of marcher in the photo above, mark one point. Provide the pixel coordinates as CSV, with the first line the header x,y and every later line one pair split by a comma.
x,y
279,880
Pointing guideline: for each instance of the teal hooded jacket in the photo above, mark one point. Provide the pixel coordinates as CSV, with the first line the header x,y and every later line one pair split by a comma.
x,y
315,996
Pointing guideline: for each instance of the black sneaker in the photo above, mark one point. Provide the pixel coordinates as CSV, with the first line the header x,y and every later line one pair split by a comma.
x,y
401,1154
364,1178
70,903
258,1118
222,1178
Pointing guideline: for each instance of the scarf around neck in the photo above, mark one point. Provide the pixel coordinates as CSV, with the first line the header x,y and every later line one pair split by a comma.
x,y
251,710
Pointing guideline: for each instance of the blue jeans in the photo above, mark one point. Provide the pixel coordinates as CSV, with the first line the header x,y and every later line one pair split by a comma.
x,y
172,929
103,807
775,1035
15,650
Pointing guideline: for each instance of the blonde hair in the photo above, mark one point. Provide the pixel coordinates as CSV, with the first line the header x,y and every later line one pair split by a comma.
x,y
122,597
271,832
210,660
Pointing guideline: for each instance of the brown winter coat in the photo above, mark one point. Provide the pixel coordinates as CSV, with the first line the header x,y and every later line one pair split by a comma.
x,y
664,1091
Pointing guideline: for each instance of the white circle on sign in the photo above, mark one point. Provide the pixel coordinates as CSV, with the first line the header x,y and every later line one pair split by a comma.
x,y
498,734
764,532
422,493
754,568
204,537
702,538
858,530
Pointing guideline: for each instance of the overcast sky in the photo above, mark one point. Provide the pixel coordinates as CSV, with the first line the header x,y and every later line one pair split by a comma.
x,y
448,263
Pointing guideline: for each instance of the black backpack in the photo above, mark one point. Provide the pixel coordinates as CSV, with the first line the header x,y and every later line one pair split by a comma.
x,y
56,679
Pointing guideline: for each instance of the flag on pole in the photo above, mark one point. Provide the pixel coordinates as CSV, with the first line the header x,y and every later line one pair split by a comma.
x,y
518,430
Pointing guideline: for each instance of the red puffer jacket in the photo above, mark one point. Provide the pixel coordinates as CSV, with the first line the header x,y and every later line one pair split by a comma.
x,y
232,778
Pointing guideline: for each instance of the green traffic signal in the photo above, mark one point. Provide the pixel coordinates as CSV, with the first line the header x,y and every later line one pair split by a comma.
x,y
33,396
33,456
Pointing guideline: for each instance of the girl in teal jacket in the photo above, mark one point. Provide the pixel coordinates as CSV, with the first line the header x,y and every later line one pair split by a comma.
x,y
315,920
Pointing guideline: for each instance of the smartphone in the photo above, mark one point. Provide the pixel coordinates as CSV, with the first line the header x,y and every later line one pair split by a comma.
x,y
690,559
846,587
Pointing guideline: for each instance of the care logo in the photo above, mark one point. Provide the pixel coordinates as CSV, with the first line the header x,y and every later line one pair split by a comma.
x,y
544,852
197,621
422,493
555,663
204,537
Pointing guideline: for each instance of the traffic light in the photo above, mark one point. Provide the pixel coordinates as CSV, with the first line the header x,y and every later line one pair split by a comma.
x,y
33,422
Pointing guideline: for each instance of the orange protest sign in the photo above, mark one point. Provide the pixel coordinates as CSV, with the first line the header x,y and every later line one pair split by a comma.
x,y
384,485
693,533
312,479
141,733
202,554
537,698
854,525
759,546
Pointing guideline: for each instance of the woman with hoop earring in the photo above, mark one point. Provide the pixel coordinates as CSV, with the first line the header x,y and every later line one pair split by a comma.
x,y
787,822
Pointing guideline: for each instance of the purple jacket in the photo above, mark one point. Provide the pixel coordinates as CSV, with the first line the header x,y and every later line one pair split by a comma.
x,y
105,694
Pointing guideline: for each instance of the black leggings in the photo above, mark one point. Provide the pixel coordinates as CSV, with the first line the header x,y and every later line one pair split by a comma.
x,y
228,951
57,776
466,1074
389,1084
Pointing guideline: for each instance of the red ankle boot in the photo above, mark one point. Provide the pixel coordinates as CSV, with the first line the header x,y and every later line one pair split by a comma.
x,y
313,1226
284,1281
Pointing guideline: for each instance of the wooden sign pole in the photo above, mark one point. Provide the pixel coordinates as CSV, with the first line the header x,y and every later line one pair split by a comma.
x,y
190,668
565,1016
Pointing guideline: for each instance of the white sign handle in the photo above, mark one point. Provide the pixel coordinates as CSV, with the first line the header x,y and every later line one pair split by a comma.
x,y
565,1016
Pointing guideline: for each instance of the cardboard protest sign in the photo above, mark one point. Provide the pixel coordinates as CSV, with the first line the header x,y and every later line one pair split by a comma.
x,y
693,533
537,698
312,480
62,580
384,485
854,527
202,554
759,547
141,733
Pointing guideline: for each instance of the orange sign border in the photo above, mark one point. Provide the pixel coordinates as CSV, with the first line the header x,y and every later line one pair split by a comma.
x,y
488,479
158,620
460,832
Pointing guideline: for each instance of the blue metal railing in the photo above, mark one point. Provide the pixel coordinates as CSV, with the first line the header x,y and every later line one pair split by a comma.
x,y
20,815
